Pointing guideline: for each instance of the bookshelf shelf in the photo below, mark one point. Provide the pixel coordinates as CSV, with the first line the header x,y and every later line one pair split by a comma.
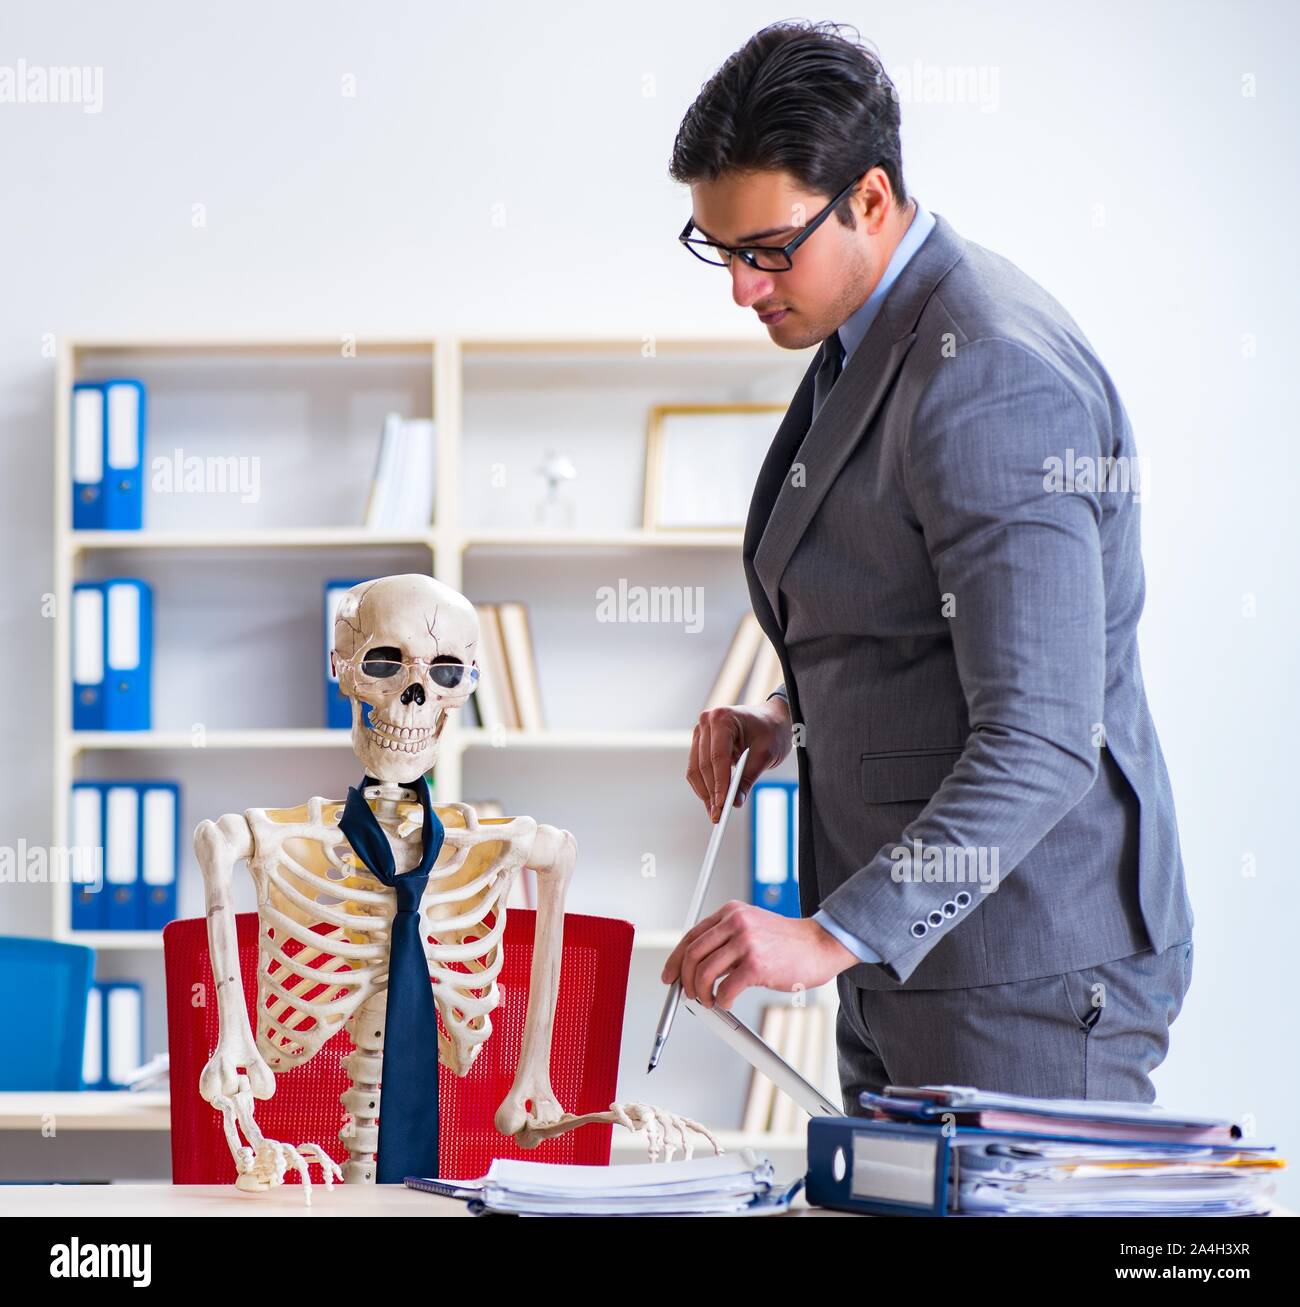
x,y
306,404
142,941
470,737
87,1109
309,738
336,346
286,538
649,941
533,540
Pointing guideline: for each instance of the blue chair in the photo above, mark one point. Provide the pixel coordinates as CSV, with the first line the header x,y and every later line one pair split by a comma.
x,y
43,999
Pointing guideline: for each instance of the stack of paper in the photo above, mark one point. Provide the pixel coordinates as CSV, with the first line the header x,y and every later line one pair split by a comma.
x,y
1060,1179
1088,1118
1073,1157
739,1184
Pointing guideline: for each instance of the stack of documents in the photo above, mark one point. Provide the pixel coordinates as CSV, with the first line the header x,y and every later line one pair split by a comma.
x,y
950,1149
1085,1118
1052,1178
739,1184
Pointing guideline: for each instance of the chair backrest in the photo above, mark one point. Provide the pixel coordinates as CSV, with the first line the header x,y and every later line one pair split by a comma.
x,y
305,1107
44,988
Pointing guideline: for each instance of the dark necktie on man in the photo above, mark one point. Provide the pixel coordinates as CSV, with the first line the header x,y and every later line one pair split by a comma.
x,y
408,1099
826,373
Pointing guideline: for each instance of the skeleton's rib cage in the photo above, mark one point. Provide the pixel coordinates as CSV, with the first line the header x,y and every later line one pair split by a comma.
x,y
324,926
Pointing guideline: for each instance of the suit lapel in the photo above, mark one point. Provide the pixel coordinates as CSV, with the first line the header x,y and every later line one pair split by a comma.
x,y
781,511
824,450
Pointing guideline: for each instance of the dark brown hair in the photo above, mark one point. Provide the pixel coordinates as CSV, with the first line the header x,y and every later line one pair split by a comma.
x,y
796,97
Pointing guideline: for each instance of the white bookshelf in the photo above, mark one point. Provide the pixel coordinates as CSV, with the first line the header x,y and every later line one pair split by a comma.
x,y
488,396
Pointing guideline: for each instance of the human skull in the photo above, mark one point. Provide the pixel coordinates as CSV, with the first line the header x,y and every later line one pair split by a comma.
x,y
417,617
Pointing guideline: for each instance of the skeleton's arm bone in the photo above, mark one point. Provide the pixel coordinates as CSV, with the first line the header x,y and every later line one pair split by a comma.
x,y
219,845
554,856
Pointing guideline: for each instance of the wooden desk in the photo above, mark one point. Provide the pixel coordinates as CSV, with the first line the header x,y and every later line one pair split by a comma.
x,y
285,1200
225,1200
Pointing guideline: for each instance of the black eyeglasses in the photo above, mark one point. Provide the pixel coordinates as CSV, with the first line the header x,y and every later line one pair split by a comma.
x,y
766,258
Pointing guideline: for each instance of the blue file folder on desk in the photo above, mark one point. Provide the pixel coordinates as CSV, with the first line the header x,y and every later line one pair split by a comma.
x,y
112,655
108,426
889,1168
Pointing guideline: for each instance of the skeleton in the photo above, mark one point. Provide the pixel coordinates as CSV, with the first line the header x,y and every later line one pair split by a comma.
x,y
324,917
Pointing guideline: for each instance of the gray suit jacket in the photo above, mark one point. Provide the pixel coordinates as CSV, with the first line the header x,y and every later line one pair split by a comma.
x,y
956,617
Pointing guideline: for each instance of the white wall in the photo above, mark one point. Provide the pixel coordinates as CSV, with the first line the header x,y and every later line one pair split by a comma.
x,y
1113,156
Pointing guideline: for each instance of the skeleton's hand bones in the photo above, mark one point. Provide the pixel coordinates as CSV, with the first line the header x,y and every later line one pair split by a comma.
x,y
263,1162
660,1126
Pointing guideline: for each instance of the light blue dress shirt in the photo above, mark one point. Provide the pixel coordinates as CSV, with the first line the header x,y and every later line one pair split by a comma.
x,y
855,328
852,332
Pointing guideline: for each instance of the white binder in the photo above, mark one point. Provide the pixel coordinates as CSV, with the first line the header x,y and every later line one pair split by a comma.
x,y
125,1033
88,637
92,1061
88,436
124,427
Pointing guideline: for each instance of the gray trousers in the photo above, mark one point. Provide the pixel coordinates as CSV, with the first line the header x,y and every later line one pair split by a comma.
x,y
1094,1033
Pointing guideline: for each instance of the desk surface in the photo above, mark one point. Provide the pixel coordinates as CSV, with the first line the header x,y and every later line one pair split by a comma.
x,y
285,1200
225,1200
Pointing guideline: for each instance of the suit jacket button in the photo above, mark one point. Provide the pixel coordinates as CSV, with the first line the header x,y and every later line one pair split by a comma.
x,y
963,899
919,929
949,909
935,918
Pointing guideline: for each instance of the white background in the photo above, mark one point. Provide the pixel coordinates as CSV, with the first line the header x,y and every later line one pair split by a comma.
x,y
1119,164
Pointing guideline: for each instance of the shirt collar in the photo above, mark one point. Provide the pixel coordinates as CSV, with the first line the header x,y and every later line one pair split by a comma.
x,y
855,328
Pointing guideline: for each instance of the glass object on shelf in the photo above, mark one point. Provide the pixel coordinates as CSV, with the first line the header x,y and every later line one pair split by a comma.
x,y
555,510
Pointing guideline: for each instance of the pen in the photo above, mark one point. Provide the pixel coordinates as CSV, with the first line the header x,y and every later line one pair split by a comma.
x,y
697,902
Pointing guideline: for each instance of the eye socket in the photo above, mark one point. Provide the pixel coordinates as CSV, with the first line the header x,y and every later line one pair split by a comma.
x,y
448,675
382,662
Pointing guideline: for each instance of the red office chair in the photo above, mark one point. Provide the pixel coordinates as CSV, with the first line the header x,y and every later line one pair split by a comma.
x,y
305,1107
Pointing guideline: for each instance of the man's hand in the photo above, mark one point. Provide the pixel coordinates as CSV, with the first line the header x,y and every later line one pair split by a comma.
x,y
752,946
722,735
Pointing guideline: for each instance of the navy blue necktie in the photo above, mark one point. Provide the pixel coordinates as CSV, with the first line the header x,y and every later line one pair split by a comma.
x,y
408,1100
827,374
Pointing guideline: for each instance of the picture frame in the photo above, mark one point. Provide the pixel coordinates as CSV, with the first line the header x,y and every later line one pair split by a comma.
x,y
702,461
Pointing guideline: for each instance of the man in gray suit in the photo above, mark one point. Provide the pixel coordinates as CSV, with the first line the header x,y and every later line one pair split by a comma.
x,y
943,548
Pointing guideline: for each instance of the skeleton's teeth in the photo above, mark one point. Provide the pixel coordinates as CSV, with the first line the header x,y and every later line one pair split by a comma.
x,y
401,739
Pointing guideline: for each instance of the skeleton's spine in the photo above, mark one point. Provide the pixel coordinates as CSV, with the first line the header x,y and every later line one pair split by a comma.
x,y
361,1099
